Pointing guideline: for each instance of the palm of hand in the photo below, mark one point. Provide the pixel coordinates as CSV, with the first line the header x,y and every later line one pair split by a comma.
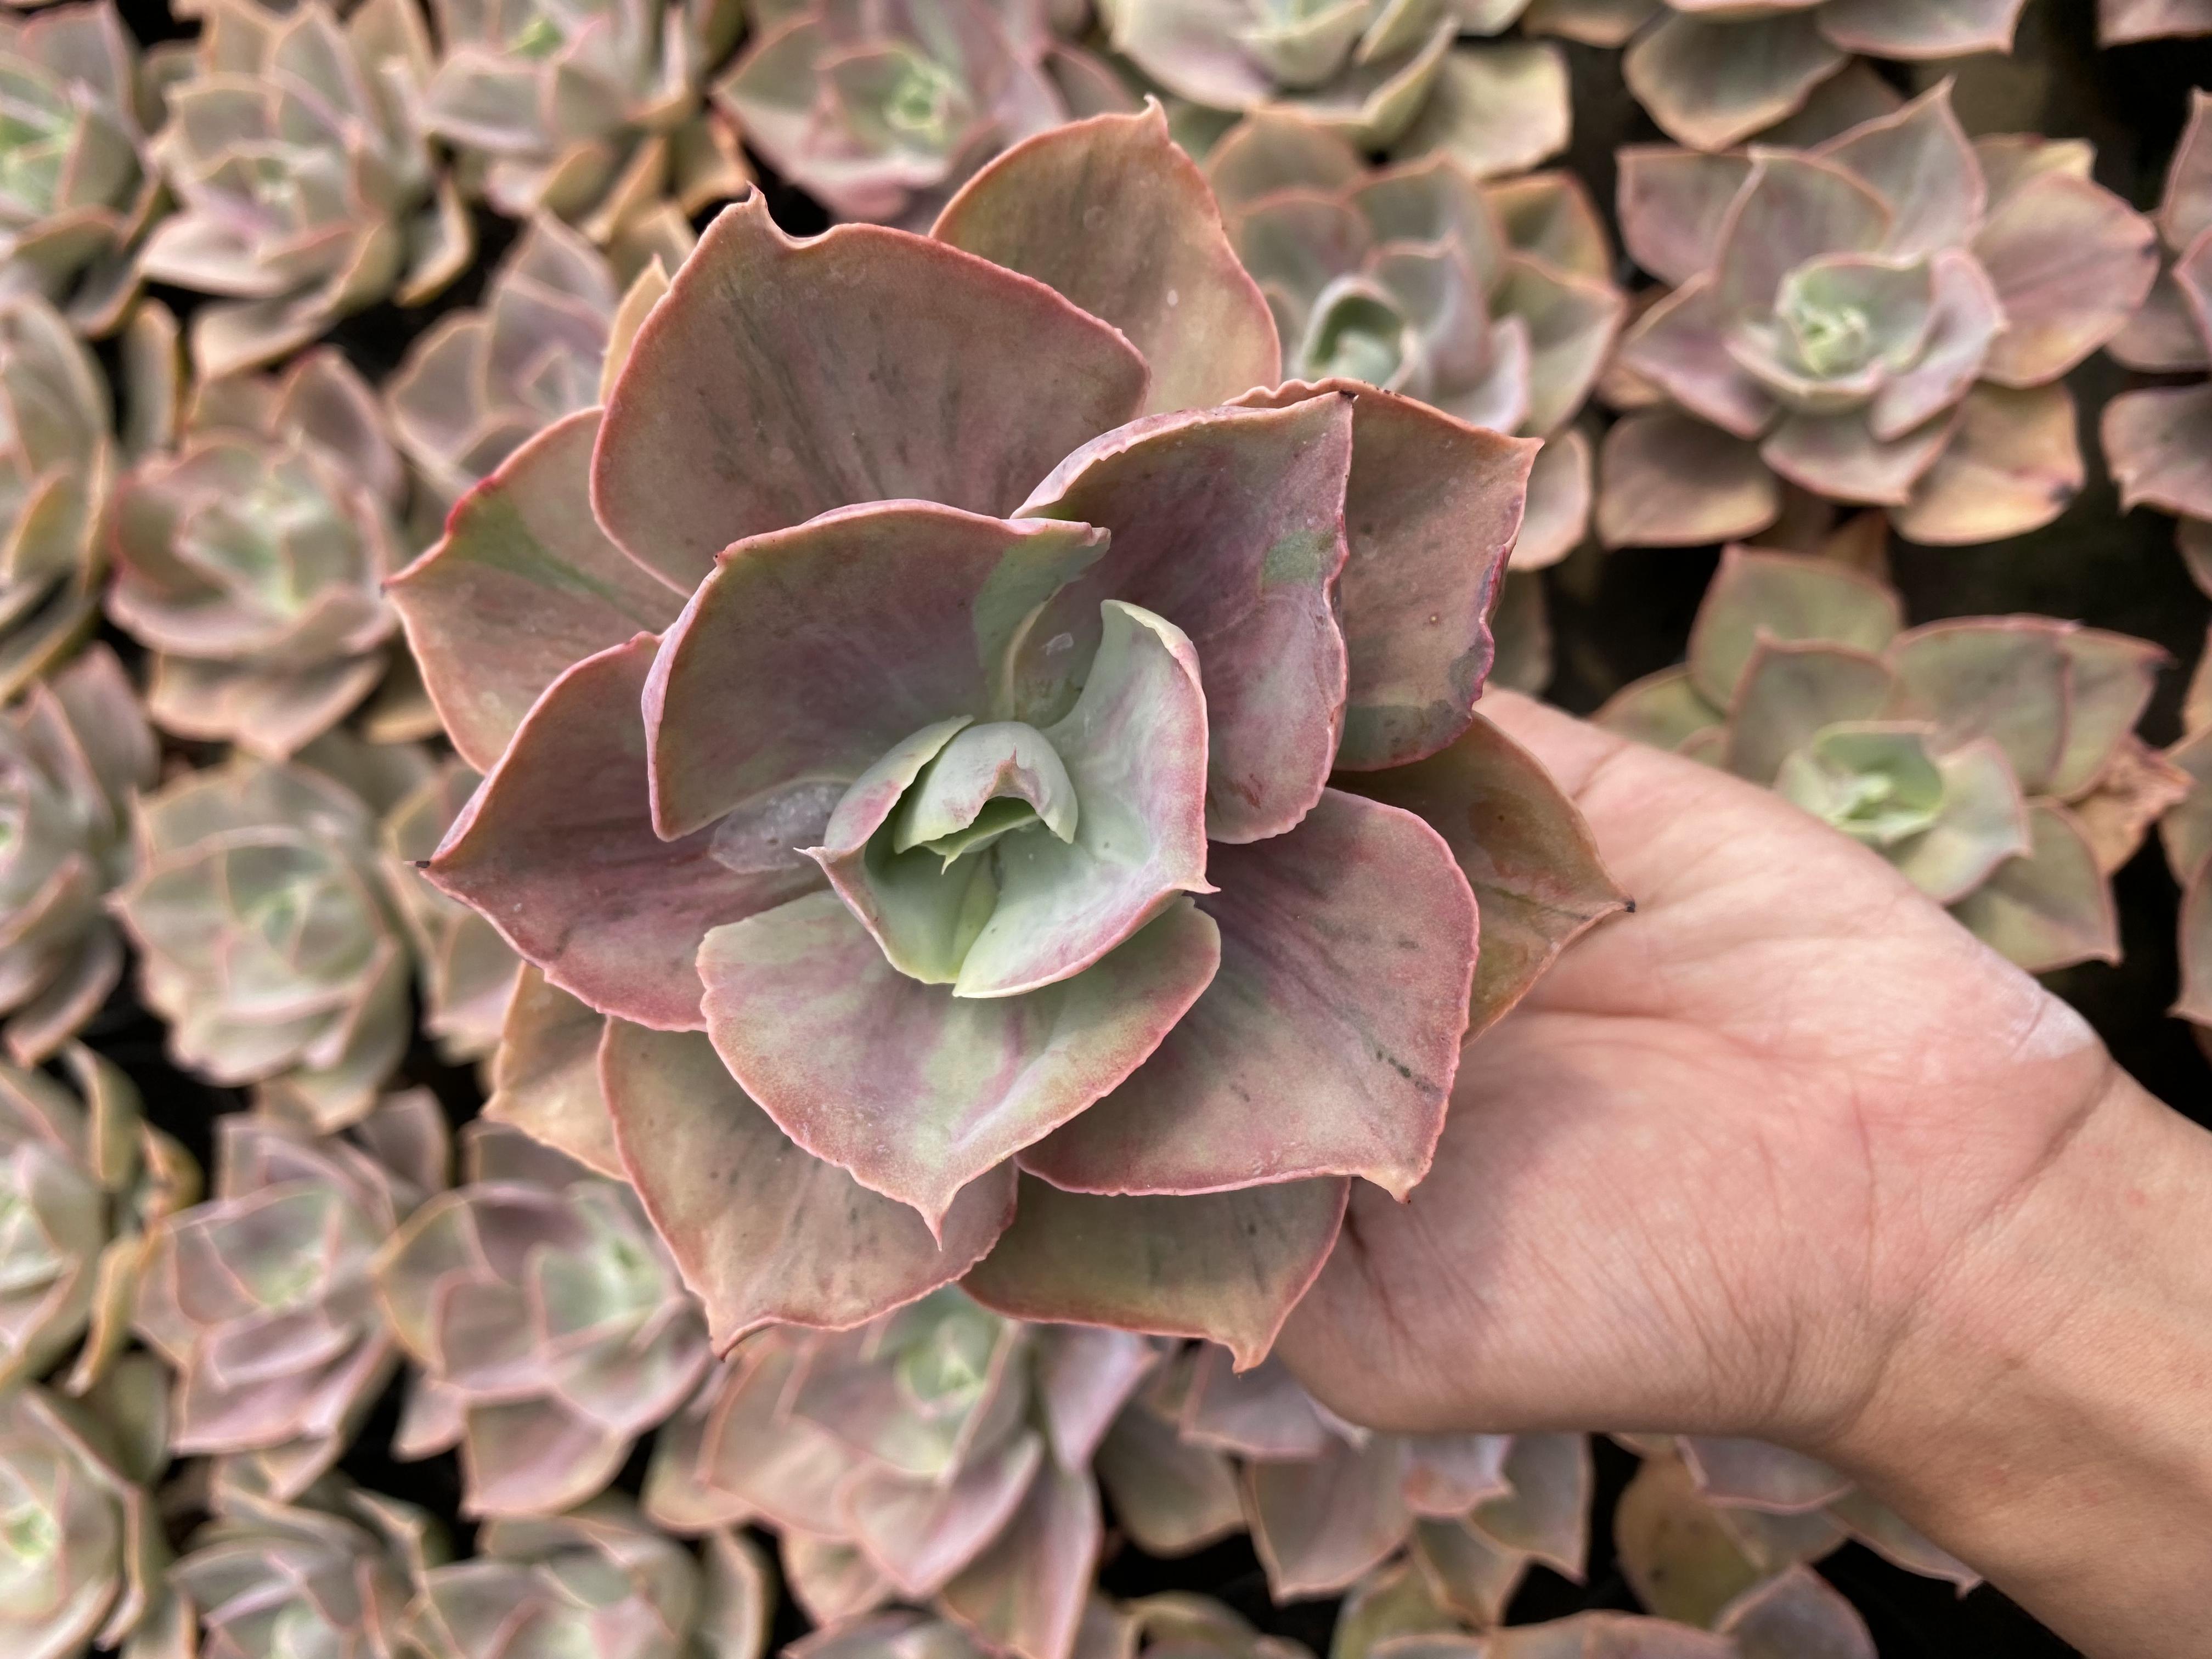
x,y
1695,1180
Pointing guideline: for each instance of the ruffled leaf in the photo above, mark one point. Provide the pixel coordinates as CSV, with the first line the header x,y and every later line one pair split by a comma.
x,y
2070,262
1784,597
2051,909
1711,82
1666,479
2013,464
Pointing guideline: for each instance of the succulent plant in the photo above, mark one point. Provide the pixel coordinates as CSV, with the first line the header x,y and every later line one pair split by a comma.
x,y
2119,22
260,1300
1711,75
266,935
332,1574
252,561
595,1580
547,1322
2185,835
467,971
481,380
1991,759
305,187
591,112
80,1181
1884,320
1493,302
878,900
85,1547
57,463
73,756
77,190
1387,75
881,110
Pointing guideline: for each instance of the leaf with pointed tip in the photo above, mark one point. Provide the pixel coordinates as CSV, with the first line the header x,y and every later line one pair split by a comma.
x,y
1919,161
778,379
1682,345
1794,209
2070,262
1026,1594
1548,1511
545,1074
1964,318
1759,1475
2013,464
1711,81
1084,1376
1664,709
1786,597
2006,678
1667,479
1466,1571
1263,1413
1789,689
1888,1535
1171,1496
2158,442
1796,1616
2194,1002
1320,1522
1112,214
2109,685
1839,457
1228,1266
1672,204
2051,909
921,1533
1913,29
1495,108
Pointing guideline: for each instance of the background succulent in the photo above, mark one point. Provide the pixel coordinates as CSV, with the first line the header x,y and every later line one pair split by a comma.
x,y
1884,320
305,189
2123,21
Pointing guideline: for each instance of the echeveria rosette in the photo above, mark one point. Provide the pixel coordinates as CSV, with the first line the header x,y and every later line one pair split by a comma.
x,y
1992,760
74,754
305,188
252,561
547,1322
1495,302
77,190
1188,620
881,112
1712,73
86,1550
267,935
596,1580
466,971
58,460
260,1298
591,112
1884,320
1386,76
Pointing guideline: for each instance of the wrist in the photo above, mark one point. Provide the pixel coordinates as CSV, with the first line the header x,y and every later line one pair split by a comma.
x,y
2051,1385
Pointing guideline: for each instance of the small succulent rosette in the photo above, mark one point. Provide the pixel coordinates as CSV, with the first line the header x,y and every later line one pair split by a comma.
x,y
86,1550
252,560
268,936
1884,320
944,921
1412,77
2122,21
465,970
597,1580
82,1177
547,1323
2158,439
74,754
1992,760
81,190
260,1298
591,112
881,111
57,461
335,1572
481,380
306,188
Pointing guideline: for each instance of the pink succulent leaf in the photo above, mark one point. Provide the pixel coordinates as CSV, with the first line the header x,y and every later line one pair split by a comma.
x,y
916,1090
778,1465
1548,1511
1965,318
2163,336
1666,479
1757,1474
922,1534
2014,465
1391,1613
545,1075
1839,457
1465,1571
1167,278
2119,22
1710,81
1262,492
464,971
770,334
1889,1536
1449,1474
2185,832
1793,208
2137,787
1592,23
896,1635
1664,709
1026,1594
534,1457
1673,204
1431,509
1609,1636
1085,1375
1225,1265
1171,1496
1786,597
762,1230
2110,682
2194,1001
1496,108
1320,1523
2008,679
1356,1049
2051,907
1920,162
1681,346
1557,517
1907,29
1550,218
1796,1616
2156,442
1262,1414
2070,262
524,585
1681,1554
1788,690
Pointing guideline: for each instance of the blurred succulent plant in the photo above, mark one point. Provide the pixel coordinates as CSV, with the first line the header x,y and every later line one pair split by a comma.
x,y
306,188
2158,439
1713,75
595,1580
252,561
333,1574
549,1325
1991,759
260,1300
74,755
481,380
881,110
2185,834
592,112
1495,303
1885,319
466,970
1386,74
85,1547
56,465
77,190
266,936
2119,22
927,900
